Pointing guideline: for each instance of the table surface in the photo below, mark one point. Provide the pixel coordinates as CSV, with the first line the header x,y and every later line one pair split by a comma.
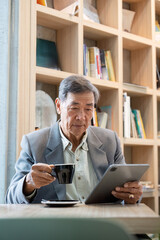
x,y
137,218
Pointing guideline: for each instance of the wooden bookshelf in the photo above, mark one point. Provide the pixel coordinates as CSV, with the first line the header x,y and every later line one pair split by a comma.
x,y
135,55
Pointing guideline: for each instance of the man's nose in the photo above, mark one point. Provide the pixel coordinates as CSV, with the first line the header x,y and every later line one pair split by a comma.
x,y
81,115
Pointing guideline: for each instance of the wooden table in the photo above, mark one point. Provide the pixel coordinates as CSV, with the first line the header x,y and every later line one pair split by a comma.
x,y
137,218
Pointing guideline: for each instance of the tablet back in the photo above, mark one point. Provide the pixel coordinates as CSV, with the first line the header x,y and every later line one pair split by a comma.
x,y
115,175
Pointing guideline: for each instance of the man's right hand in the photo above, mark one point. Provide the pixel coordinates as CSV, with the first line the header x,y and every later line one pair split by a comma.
x,y
38,177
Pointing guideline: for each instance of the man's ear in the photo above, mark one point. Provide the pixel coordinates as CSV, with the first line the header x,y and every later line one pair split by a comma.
x,y
58,105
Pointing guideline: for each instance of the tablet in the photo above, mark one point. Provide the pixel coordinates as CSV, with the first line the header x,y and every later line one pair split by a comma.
x,y
115,175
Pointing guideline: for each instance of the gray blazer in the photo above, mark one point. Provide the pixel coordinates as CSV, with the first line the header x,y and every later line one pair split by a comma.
x,y
45,146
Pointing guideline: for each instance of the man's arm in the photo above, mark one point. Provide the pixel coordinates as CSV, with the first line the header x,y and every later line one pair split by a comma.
x,y
28,176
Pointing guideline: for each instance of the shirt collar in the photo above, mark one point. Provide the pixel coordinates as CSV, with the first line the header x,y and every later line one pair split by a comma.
x,y
67,143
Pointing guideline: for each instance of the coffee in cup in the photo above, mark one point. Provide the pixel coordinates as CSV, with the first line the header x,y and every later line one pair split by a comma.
x,y
63,172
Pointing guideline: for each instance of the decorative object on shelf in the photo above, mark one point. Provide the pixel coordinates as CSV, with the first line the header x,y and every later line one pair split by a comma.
x,y
42,2
128,17
72,9
45,110
46,55
90,12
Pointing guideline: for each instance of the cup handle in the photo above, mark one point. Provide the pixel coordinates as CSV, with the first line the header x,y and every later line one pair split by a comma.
x,y
53,174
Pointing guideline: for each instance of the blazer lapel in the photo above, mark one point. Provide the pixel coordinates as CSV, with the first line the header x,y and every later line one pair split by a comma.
x,y
53,155
98,156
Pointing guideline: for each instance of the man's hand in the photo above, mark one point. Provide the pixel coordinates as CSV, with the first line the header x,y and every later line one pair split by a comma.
x,y
130,192
39,176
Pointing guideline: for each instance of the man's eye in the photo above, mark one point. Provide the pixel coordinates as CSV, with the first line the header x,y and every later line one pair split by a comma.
x,y
89,109
74,108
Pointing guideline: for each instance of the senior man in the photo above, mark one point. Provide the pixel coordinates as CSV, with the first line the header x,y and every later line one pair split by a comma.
x,y
70,140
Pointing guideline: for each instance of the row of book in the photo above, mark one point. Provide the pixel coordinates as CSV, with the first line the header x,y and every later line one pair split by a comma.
x,y
132,120
98,63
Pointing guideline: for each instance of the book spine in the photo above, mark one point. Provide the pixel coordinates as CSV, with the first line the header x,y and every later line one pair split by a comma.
x,y
98,63
110,66
137,123
92,61
104,69
133,126
141,123
95,119
126,116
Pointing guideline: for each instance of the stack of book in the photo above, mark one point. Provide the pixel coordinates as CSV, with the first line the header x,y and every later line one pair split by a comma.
x,y
147,186
132,120
98,63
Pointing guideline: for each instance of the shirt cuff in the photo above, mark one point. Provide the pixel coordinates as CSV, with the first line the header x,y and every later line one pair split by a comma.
x,y
32,195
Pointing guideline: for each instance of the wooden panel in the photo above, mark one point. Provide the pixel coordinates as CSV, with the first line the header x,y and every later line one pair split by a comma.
x,y
142,20
67,46
108,12
54,19
141,67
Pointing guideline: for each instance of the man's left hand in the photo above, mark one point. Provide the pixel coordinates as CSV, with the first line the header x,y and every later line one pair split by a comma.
x,y
130,192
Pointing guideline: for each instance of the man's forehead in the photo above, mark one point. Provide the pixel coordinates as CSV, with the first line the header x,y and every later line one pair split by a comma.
x,y
77,98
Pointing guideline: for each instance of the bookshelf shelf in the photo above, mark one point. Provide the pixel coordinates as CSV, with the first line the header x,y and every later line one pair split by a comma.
x,y
135,55
136,90
132,42
98,31
51,76
138,142
54,19
148,194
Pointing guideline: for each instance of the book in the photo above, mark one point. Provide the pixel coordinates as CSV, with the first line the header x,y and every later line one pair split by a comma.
x,y
108,110
137,121
102,119
95,119
110,65
94,62
42,2
133,126
104,69
141,124
46,54
158,76
126,116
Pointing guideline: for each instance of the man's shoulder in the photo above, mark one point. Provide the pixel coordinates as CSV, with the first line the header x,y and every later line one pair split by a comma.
x,y
101,131
39,133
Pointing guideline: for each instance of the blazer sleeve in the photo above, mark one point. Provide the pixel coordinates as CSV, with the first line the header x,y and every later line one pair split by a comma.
x,y
119,157
22,167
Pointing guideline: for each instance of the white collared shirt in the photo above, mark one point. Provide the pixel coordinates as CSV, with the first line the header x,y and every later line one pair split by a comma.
x,y
84,179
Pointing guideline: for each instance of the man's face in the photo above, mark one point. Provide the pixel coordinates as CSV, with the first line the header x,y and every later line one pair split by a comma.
x,y
76,113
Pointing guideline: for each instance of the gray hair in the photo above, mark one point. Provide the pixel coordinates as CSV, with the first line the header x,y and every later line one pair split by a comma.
x,y
77,84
